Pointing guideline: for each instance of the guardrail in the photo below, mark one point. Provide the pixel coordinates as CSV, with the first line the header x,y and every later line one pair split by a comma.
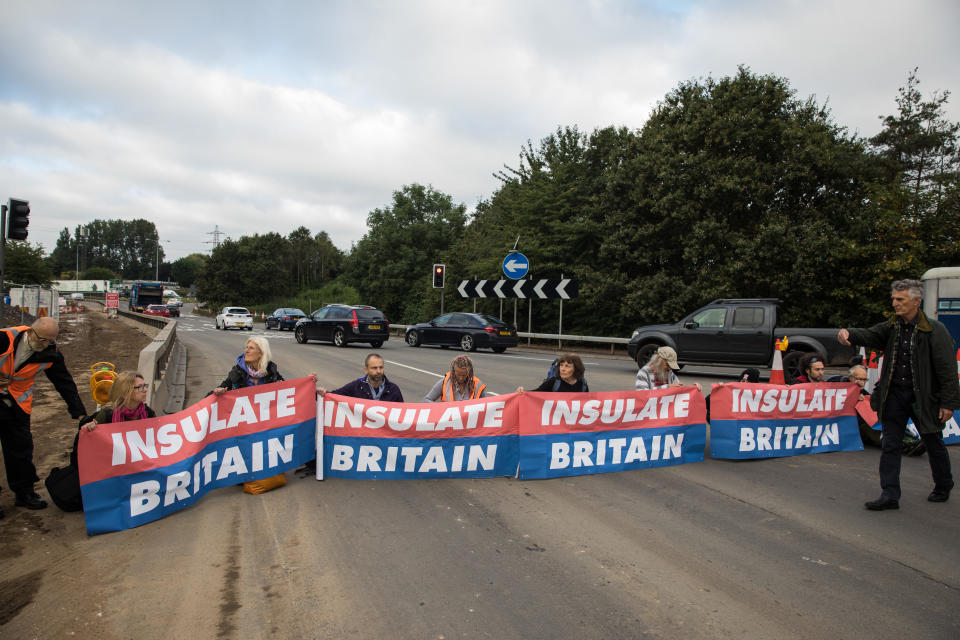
x,y
163,363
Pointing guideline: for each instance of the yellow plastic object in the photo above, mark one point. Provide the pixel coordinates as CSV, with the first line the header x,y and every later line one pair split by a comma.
x,y
102,366
783,344
100,383
265,484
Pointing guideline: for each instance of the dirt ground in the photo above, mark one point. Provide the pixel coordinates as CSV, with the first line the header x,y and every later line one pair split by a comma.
x,y
36,546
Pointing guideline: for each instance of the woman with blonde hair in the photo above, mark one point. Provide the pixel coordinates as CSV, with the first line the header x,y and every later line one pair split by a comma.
x,y
254,367
128,396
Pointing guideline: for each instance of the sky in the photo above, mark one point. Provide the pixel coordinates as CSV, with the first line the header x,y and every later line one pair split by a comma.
x,y
247,117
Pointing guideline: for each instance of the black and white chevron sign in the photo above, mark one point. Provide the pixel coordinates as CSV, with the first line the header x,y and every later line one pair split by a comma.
x,y
564,289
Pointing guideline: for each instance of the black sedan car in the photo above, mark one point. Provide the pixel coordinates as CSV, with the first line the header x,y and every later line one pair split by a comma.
x,y
342,324
283,318
465,330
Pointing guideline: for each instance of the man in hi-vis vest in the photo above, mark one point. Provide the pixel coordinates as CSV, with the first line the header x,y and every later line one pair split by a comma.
x,y
25,352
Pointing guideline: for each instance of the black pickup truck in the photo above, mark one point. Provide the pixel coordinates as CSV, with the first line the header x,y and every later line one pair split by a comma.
x,y
738,331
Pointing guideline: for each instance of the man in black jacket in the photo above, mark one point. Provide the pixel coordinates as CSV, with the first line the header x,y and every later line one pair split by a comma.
x,y
25,352
919,381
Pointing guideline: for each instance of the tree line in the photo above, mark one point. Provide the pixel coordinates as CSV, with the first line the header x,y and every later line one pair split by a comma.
x,y
733,187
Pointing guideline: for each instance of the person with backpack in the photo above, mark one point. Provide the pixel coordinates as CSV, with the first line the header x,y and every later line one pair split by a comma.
x,y
565,376
659,372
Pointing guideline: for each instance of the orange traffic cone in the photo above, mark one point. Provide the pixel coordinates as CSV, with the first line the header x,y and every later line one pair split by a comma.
x,y
776,373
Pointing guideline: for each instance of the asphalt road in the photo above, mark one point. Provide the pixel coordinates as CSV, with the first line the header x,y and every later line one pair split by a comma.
x,y
778,548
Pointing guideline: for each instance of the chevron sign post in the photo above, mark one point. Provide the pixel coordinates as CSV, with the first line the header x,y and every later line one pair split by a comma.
x,y
564,289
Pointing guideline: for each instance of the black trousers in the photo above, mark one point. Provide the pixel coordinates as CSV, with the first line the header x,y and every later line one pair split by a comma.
x,y
897,410
17,442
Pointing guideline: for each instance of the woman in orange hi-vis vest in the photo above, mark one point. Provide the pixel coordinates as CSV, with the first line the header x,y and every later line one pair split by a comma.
x,y
25,352
457,384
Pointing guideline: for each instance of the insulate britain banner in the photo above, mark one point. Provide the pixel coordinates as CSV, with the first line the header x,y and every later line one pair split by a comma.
x,y
467,439
132,473
580,433
770,420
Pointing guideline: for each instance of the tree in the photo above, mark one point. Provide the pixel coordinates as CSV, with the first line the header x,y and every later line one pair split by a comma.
x,y
391,264
244,271
97,273
184,271
916,210
24,264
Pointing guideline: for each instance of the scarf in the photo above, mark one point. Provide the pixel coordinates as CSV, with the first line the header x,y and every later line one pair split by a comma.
x,y
253,376
122,414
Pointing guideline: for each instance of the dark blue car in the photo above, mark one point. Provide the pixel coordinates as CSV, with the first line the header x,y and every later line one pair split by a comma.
x,y
283,318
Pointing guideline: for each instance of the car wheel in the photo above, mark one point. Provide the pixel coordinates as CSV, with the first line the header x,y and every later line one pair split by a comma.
x,y
646,352
466,342
339,337
499,349
301,335
376,344
413,338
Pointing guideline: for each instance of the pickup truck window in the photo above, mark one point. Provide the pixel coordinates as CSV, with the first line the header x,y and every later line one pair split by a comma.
x,y
748,317
711,318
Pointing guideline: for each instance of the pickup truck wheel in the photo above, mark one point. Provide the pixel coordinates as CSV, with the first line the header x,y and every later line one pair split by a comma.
x,y
792,366
646,352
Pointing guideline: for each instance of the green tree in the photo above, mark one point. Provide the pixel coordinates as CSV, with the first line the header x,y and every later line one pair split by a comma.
x,y
24,264
97,273
244,271
184,271
390,265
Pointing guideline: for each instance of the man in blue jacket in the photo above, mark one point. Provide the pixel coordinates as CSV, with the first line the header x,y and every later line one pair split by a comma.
x,y
919,381
373,385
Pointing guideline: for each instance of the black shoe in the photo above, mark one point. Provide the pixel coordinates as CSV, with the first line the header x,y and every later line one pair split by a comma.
x,y
882,503
940,495
30,500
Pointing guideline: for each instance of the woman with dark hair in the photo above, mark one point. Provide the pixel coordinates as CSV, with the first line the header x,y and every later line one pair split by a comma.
x,y
568,378
128,395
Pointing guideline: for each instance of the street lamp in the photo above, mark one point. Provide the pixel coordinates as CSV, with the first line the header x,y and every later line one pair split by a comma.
x,y
157,274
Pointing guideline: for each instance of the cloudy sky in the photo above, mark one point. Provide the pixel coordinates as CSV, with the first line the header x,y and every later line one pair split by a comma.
x,y
248,117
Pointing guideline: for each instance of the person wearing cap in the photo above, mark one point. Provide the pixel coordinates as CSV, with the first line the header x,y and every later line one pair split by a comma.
x,y
813,368
659,372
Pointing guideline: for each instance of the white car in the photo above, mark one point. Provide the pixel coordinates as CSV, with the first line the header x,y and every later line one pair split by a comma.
x,y
237,317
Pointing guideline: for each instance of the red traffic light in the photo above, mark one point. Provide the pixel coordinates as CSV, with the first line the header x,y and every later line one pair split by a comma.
x,y
438,276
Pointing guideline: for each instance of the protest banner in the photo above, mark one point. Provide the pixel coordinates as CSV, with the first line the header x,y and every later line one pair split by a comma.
x,y
582,433
467,439
951,432
135,472
768,420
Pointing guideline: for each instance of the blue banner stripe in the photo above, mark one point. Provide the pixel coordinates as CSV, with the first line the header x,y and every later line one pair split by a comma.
x,y
379,458
742,439
568,454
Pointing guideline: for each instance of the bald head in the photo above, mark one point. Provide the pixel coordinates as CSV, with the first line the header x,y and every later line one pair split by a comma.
x,y
44,332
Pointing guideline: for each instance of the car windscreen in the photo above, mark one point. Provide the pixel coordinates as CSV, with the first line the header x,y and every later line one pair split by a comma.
x,y
370,315
295,312
492,321
238,311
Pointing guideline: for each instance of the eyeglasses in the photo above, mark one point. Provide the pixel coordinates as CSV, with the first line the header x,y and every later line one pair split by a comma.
x,y
140,387
856,379
41,338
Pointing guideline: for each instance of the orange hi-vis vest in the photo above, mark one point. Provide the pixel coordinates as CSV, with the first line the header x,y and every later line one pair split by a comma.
x,y
21,385
447,393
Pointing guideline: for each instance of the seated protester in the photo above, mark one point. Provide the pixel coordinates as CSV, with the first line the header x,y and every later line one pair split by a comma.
x,y
128,395
373,385
658,373
254,367
813,367
568,378
457,384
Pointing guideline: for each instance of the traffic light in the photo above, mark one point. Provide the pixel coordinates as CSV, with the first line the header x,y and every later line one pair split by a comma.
x,y
18,219
439,272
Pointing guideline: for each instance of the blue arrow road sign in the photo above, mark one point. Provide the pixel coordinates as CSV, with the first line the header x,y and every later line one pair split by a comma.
x,y
515,265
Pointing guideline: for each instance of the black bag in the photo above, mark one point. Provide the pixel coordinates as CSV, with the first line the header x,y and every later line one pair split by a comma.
x,y
63,485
